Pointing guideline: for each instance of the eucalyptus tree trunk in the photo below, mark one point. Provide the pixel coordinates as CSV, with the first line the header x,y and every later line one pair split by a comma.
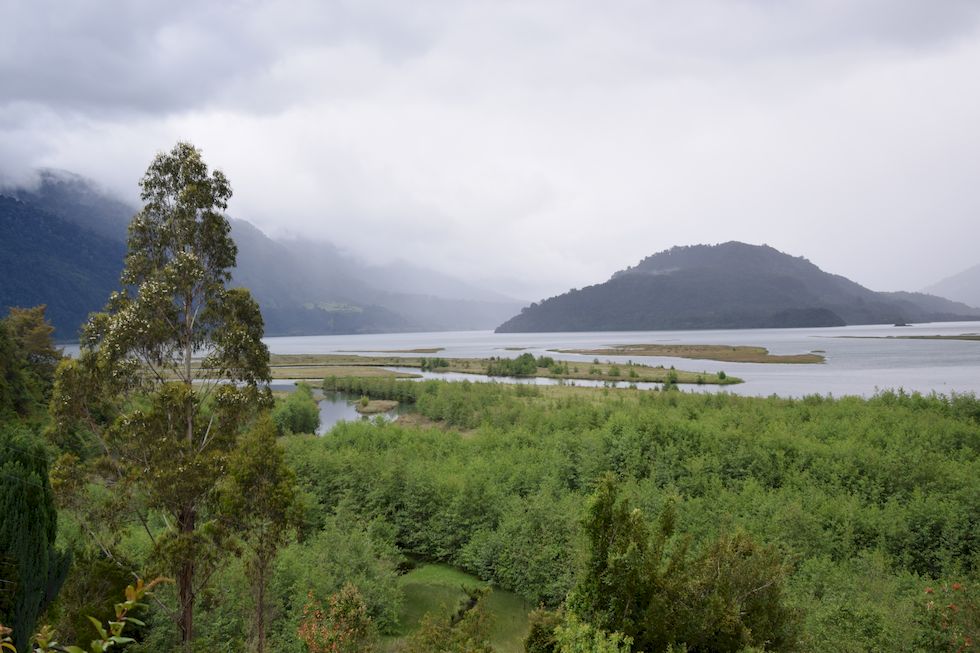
x,y
186,517
185,586
260,607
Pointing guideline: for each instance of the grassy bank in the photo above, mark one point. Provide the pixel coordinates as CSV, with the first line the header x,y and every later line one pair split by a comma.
x,y
724,353
340,365
963,336
418,350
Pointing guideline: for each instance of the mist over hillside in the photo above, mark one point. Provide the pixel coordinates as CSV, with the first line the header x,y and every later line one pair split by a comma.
x,y
727,286
78,200
303,287
963,287
45,259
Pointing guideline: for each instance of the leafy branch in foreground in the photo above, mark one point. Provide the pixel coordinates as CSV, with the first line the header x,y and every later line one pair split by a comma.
x,y
110,635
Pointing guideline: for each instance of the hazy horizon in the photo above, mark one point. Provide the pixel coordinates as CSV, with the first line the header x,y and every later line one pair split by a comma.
x,y
530,147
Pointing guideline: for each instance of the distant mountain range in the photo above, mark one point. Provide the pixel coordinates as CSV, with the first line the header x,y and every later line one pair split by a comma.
x,y
62,244
963,287
728,286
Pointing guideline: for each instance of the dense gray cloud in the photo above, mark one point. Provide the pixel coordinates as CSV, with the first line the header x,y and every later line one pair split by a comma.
x,y
539,144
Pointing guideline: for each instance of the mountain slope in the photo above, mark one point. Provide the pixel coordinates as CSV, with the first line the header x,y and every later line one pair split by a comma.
x,y
963,287
47,260
77,200
303,287
727,286
425,300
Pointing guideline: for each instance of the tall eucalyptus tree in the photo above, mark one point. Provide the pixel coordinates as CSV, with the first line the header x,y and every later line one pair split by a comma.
x,y
171,370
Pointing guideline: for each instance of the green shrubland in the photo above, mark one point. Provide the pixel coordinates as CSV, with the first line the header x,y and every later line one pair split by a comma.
x,y
858,504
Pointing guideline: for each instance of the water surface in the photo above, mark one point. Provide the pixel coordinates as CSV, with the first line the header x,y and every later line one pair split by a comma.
x,y
859,365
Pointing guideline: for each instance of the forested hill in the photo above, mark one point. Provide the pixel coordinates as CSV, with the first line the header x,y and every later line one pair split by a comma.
x,y
64,240
727,286
45,259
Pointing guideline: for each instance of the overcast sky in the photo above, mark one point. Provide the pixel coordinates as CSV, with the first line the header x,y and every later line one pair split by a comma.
x,y
535,145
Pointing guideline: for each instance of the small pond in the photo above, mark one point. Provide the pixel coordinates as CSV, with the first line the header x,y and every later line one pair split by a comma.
x,y
334,406
339,406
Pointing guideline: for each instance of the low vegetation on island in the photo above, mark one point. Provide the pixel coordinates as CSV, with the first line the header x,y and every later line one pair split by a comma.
x,y
963,336
725,353
366,406
526,365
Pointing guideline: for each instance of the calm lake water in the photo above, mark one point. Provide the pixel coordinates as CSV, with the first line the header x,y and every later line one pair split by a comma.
x,y
859,364
334,406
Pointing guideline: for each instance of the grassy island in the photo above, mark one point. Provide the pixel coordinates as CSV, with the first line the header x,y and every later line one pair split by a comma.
x,y
725,353
374,406
962,336
525,365
417,350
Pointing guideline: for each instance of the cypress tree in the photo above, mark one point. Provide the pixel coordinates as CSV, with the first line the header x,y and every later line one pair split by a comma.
x,y
31,569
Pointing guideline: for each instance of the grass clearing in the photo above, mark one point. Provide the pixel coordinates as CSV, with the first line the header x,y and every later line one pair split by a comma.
x,y
438,589
723,353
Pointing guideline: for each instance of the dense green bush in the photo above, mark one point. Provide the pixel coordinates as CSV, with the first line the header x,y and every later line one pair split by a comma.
x,y
31,567
871,500
297,413
524,365
433,364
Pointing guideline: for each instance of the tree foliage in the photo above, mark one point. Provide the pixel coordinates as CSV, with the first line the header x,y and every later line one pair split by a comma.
x,y
27,362
575,636
297,413
261,503
344,627
31,568
165,421
647,587
524,365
